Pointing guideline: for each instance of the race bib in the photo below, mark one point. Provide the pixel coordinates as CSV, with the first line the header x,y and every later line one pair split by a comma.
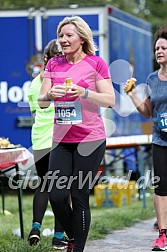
x,y
68,112
162,121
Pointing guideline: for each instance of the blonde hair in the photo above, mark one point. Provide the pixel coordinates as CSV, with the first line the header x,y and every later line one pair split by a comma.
x,y
83,31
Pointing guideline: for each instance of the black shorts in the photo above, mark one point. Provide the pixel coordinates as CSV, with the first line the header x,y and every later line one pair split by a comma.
x,y
160,169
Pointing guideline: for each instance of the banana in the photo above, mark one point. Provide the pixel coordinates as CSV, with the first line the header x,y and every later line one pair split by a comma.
x,y
68,83
130,85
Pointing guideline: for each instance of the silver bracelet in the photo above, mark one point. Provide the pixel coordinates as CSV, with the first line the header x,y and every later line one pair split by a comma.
x,y
47,97
86,93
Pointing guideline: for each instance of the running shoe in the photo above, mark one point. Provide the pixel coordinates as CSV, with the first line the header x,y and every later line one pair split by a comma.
x,y
159,244
155,226
34,236
59,244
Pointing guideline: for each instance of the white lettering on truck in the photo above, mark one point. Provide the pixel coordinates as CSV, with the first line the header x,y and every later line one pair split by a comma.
x,y
15,93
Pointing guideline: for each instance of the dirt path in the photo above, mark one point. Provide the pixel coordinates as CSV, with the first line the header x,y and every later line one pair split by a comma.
x,y
137,238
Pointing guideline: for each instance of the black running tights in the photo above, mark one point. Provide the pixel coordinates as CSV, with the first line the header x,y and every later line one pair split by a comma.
x,y
160,169
72,169
41,196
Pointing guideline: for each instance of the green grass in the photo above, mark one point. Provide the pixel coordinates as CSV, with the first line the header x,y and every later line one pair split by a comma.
x,y
104,221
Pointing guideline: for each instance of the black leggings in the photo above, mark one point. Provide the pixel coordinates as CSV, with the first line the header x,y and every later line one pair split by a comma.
x,y
41,196
160,169
71,173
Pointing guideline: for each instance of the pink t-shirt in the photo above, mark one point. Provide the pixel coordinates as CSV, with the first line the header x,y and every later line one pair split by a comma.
x,y
85,73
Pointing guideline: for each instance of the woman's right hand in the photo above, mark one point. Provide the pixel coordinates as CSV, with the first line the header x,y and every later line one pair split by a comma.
x,y
57,91
130,87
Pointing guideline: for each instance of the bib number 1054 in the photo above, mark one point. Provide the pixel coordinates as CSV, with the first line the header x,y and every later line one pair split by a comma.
x,y
66,113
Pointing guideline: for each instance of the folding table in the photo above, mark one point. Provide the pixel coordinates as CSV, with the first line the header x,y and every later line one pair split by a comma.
x,y
9,160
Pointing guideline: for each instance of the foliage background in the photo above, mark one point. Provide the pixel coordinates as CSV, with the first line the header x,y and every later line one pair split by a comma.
x,y
153,11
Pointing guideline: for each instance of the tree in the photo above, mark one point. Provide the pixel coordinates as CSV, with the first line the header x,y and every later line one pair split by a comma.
x,y
153,11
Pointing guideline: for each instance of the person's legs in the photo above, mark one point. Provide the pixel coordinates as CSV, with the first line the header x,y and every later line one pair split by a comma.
x,y
87,159
60,170
74,160
160,204
40,200
160,196
160,171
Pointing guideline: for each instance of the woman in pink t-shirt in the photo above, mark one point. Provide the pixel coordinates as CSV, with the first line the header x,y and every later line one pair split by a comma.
x,y
79,83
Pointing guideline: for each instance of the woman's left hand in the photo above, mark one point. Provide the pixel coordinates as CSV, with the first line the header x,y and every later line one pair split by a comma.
x,y
76,91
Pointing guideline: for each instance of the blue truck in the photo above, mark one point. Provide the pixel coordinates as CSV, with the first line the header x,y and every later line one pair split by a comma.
x,y
122,39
